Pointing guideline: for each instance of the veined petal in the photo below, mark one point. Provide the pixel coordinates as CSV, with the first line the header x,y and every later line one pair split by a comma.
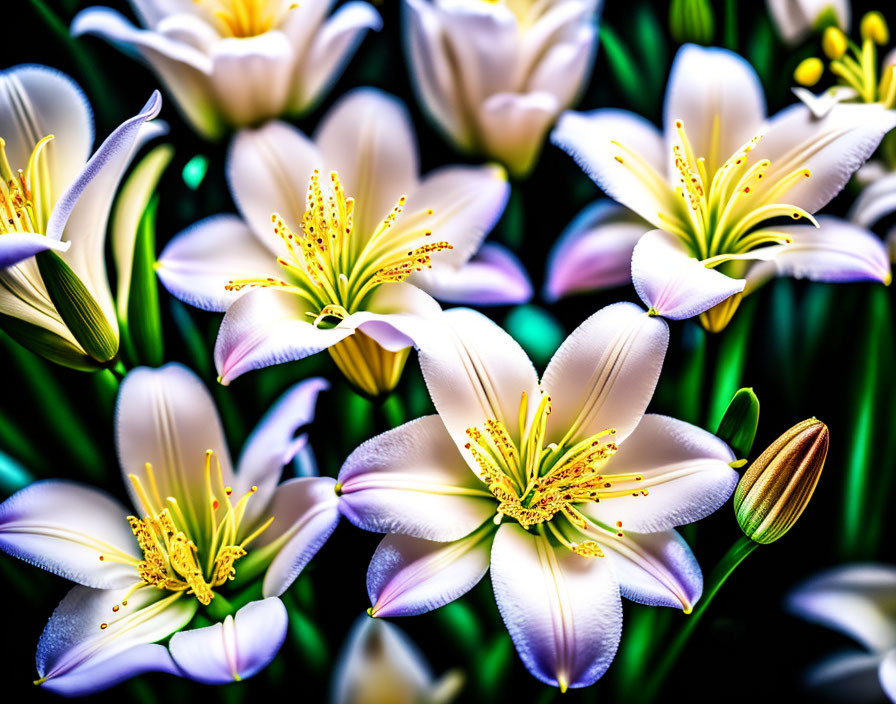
x,y
37,101
166,418
604,373
305,514
658,569
475,371
409,576
412,480
597,140
273,443
493,276
562,610
848,676
268,169
564,67
399,315
368,139
235,649
265,327
197,264
673,283
514,125
16,246
75,647
854,599
836,251
718,97
876,200
594,251
71,530
685,471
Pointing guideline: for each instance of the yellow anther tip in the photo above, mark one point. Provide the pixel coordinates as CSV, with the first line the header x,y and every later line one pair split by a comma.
x,y
874,27
809,72
834,43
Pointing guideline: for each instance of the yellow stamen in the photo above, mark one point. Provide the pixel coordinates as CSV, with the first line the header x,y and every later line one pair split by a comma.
x,y
246,18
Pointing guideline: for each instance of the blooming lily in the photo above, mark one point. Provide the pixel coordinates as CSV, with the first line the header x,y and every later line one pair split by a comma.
x,y
720,177
348,274
563,488
237,62
795,19
379,664
143,574
495,74
53,197
857,600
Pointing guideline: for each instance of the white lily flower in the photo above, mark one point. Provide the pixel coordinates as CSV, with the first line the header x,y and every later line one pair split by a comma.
x,y
238,62
718,180
495,74
379,664
857,600
345,263
55,196
196,524
564,488
796,19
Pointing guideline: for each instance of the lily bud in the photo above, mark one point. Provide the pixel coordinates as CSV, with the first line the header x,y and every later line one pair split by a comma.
x,y
834,43
370,368
809,72
874,27
775,489
691,21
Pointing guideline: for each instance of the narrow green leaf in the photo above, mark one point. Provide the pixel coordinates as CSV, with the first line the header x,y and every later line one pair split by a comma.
x,y
461,625
144,320
738,426
731,359
761,48
47,344
309,641
623,68
79,311
690,391
492,664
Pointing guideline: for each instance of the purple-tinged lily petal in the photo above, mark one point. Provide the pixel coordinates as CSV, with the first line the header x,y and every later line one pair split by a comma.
x,y
856,600
76,654
658,569
514,125
877,200
673,283
71,530
198,263
409,576
16,246
836,251
850,676
887,675
235,649
563,610
398,316
166,418
305,512
604,373
594,251
273,443
494,276
412,480
686,475
265,327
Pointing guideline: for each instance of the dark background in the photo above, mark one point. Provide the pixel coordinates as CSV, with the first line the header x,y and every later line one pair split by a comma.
x,y
810,350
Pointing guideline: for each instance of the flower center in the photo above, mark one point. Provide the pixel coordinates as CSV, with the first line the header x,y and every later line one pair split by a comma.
x,y
25,193
334,269
247,18
183,556
718,212
533,482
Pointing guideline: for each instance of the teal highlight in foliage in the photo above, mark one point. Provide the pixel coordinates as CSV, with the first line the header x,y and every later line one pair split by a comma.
x,y
537,331
738,425
194,171
13,476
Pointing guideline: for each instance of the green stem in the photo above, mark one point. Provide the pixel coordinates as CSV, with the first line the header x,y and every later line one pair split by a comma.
x,y
731,24
735,555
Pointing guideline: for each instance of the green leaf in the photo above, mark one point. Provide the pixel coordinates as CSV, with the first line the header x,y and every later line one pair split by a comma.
x,y
79,310
623,69
731,360
537,331
492,664
738,426
649,32
461,625
144,320
309,640
47,344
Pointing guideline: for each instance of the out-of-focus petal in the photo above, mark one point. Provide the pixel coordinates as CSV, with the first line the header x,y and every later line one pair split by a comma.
x,y
887,675
16,246
514,125
848,676
876,200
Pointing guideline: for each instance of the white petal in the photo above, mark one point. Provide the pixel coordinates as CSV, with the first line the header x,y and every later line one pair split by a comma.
x,y
199,262
65,527
400,315
74,641
367,137
887,675
855,599
268,169
514,126
412,480
562,610
595,140
718,97
409,576
475,372
673,283
876,200
37,101
167,418
236,649
18,246
794,19
821,104
594,251
849,676
564,67
305,514
686,474
604,374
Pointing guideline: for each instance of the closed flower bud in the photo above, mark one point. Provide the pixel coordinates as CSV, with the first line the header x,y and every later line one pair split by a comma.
x,y
834,43
775,489
691,21
874,27
809,72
